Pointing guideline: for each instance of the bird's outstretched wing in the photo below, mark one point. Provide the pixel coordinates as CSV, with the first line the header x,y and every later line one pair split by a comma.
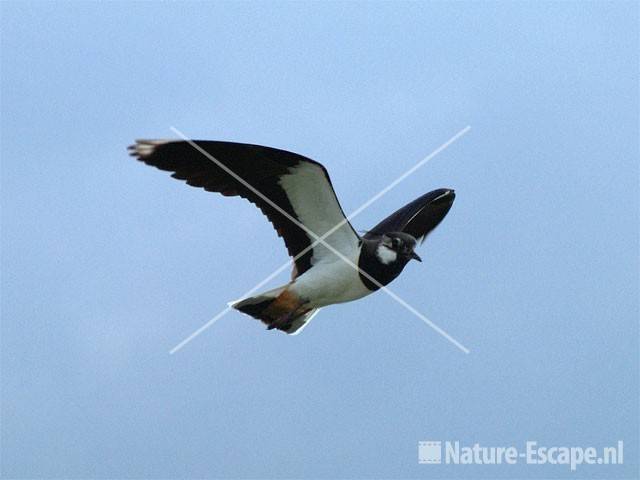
x,y
298,185
419,217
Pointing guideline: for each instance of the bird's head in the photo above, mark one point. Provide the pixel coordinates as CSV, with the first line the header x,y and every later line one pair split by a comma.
x,y
396,246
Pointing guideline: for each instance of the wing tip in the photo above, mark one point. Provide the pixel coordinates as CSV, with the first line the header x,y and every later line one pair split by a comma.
x,y
144,148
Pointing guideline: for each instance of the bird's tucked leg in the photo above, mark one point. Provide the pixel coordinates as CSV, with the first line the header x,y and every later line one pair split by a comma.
x,y
278,308
284,310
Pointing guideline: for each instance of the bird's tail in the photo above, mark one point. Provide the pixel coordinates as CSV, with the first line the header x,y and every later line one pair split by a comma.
x,y
277,308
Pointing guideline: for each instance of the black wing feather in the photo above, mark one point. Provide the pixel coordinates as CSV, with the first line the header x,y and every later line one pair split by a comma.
x,y
260,166
417,218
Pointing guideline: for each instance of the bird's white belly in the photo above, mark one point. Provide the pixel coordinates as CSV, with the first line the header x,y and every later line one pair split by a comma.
x,y
330,283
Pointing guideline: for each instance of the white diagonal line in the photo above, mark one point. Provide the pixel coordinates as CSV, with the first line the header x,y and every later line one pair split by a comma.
x,y
318,239
366,204
425,320
224,312
200,330
321,239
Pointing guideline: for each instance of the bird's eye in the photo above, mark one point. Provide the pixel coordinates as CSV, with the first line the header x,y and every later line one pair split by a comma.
x,y
395,243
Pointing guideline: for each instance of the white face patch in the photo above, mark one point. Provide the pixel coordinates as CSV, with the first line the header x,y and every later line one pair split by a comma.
x,y
385,254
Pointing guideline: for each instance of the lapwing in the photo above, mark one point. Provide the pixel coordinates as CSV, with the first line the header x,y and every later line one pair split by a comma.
x,y
301,188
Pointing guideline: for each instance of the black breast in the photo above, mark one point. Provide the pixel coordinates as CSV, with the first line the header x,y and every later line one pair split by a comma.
x,y
369,263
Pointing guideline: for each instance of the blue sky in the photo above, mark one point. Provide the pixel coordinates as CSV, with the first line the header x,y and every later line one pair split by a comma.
x,y
107,264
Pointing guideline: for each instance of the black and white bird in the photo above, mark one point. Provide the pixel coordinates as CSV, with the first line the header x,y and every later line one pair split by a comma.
x,y
301,188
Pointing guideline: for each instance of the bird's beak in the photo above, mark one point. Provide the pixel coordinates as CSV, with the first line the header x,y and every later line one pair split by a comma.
x,y
415,256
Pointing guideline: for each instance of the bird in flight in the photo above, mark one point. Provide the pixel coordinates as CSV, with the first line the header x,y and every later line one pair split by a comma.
x,y
332,263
